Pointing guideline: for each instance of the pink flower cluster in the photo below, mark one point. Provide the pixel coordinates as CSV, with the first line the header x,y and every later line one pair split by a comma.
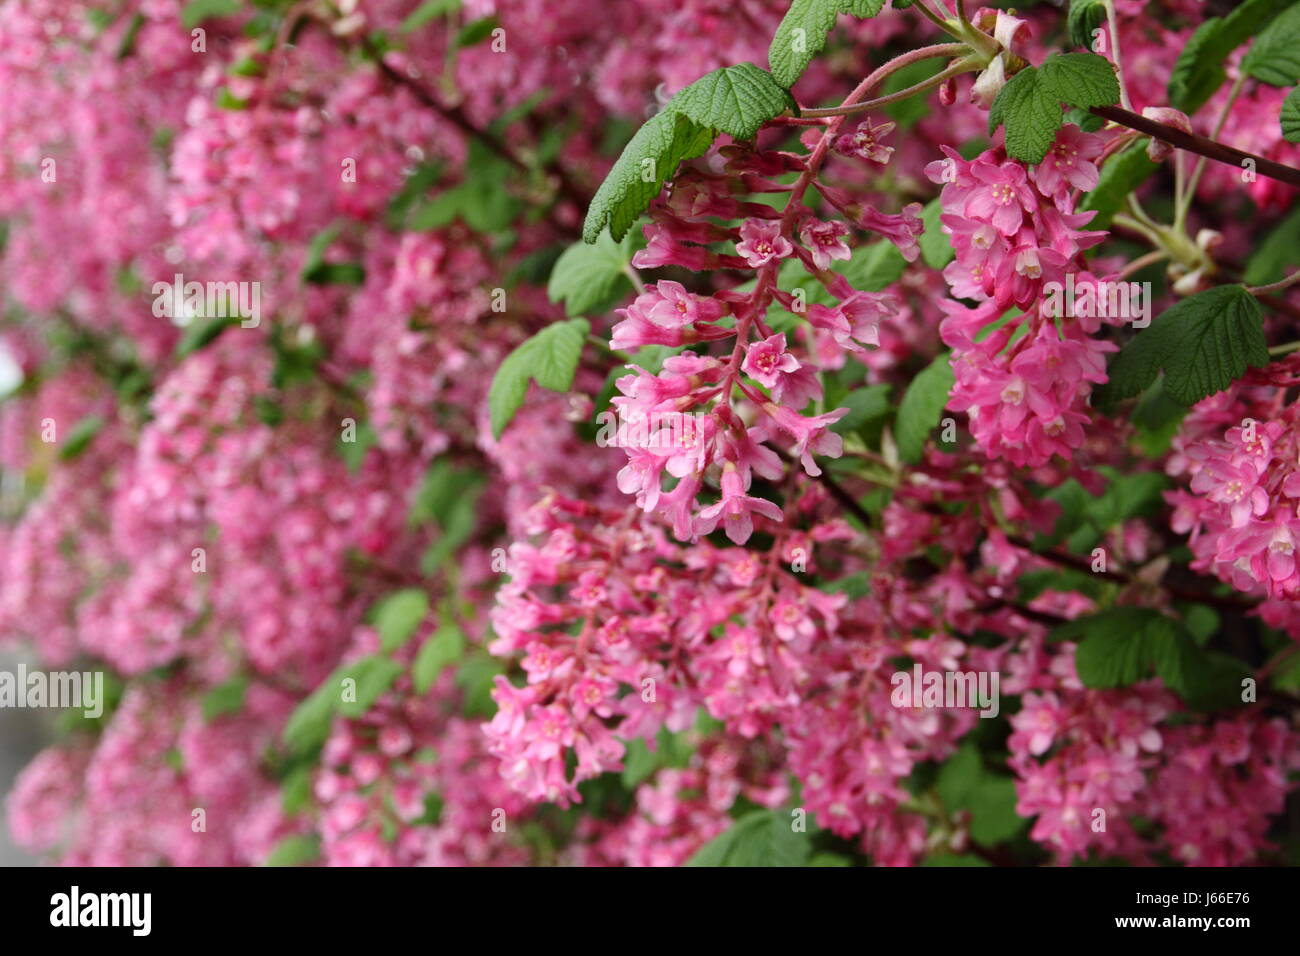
x,y
1022,376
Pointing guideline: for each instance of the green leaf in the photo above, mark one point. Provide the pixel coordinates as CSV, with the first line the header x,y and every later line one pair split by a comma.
x,y
802,33
1279,250
1119,176
427,12
373,675
476,32
446,647
1203,343
654,153
592,278
734,99
1081,79
1084,17
936,247
1290,118
126,46
227,698
1199,72
1031,111
398,615
309,724
872,267
828,859
737,100
476,676
760,838
196,11
295,851
549,358
864,405
80,436
1274,57
965,784
921,408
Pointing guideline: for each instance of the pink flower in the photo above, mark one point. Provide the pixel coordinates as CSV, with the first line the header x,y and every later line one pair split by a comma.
x,y
864,142
736,509
1069,163
767,361
762,242
825,241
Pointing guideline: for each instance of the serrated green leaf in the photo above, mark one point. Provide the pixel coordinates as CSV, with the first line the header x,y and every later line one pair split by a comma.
x,y
1199,72
1031,112
592,278
801,35
1203,344
1084,17
398,615
1081,79
446,647
737,100
549,358
760,838
666,140
1290,118
1274,57
922,407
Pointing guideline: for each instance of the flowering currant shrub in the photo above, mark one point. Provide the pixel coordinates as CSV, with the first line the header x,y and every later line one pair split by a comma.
x,y
828,432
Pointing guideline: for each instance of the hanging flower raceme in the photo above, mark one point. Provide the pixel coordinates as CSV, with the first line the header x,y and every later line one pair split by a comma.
x,y
1024,357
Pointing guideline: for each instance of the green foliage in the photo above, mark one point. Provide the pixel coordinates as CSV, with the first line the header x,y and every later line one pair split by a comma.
x,y
549,358
965,784
736,100
1279,249
445,647
1029,105
316,271
1290,118
196,11
1122,645
226,698
1203,344
309,724
1084,17
592,278
1199,72
427,12
921,408
397,616
479,200
802,33
1274,57
760,838
80,436
936,248
295,851
1119,176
